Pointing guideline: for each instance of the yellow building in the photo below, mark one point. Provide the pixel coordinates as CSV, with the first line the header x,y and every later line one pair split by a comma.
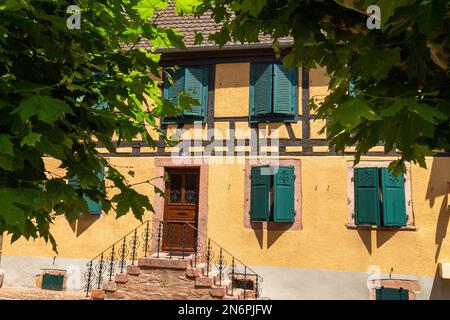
x,y
313,226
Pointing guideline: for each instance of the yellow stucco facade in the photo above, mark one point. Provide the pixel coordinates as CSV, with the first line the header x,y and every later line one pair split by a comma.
x,y
323,242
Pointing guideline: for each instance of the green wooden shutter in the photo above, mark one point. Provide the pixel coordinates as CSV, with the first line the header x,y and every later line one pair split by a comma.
x,y
260,88
259,196
283,189
351,89
94,207
367,201
284,89
392,294
172,90
196,85
74,182
393,199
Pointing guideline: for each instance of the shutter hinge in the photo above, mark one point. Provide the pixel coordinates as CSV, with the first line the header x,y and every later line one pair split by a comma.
x,y
353,179
409,203
348,201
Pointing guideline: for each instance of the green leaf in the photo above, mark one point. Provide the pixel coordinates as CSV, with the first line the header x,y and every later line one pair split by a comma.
x,y
254,7
10,200
375,63
31,139
351,113
428,15
46,108
6,146
186,6
423,110
146,8
128,200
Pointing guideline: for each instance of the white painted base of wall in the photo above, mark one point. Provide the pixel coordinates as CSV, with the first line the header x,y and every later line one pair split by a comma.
x,y
314,284
21,271
279,283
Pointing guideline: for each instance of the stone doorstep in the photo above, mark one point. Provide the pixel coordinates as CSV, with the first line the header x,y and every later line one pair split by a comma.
x,y
204,282
194,272
109,286
164,263
218,292
97,294
133,270
121,278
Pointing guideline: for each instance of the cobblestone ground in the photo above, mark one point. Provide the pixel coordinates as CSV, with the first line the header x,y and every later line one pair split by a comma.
x,y
38,294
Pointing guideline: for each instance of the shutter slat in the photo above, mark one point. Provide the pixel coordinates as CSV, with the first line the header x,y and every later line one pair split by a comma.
x,y
259,196
367,201
393,191
171,91
284,195
261,89
284,95
196,85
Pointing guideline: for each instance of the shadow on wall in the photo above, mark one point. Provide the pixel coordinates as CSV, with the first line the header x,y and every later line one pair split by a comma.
x,y
83,223
438,186
440,289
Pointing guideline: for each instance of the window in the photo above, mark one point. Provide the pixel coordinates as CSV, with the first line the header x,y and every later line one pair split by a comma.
x,y
272,194
379,198
94,207
194,81
392,294
273,93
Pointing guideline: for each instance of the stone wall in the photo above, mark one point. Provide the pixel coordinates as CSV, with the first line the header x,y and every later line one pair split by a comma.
x,y
168,279
159,284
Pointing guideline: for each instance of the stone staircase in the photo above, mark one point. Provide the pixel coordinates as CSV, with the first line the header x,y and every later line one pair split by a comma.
x,y
171,277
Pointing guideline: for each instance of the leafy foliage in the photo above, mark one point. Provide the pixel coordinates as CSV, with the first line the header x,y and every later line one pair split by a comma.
x,y
399,74
62,91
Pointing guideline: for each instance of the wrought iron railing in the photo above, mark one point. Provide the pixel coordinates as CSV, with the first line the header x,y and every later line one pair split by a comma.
x,y
159,238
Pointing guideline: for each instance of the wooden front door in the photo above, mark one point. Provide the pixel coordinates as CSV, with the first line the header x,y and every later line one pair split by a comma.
x,y
181,205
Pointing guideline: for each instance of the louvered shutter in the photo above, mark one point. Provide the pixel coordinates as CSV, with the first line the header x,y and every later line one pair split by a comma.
x,y
284,89
172,90
259,196
393,199
367,201
196,86
284,195
261,88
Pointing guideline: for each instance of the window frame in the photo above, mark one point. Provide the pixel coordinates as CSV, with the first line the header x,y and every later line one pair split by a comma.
x,y
296,225
351,211
189,119
100,188
274,117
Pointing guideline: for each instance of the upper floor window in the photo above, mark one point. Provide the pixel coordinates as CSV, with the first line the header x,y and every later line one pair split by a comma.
x,y
273,93
379,198
194,81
